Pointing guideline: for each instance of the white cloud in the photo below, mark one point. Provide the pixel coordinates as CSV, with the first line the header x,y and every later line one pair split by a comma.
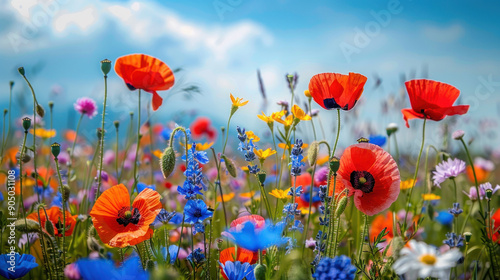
x,y
446,34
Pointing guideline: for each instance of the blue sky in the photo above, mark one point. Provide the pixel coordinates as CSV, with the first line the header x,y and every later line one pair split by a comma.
x,y
220,45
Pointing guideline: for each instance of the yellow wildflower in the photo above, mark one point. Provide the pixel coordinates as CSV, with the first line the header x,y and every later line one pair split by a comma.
x,y
299,113
263,154
238,101
226,197
287,122
430,196
252,136
281,194
44,133
407,184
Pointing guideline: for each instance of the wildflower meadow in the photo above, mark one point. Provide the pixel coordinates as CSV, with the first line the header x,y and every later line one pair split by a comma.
x,y
285,192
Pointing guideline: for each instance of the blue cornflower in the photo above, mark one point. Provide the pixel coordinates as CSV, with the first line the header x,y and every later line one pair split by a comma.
x,y
306,196
163,217
171,253
57,201
337,268
165,133
104,269
176,219
237,270
189,190
23,265
454,240
198,228
253,169
196,211
297,157
455,211
378,140
142,186
297,191
254,239
196,257
297,226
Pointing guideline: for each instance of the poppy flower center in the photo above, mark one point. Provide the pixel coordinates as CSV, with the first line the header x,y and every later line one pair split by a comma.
x,y
128,216
362,180
428,259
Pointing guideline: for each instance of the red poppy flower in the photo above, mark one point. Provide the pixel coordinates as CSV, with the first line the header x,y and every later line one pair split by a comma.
x,y
119,224
257,220
55,215
432,100
337,91
371,175
496,220
201,127
243,256
140,71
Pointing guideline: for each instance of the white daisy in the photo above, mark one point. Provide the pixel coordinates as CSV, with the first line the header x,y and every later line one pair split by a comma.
x,y
421,261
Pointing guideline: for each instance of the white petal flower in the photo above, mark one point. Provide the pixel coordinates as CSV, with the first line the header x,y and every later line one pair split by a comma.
x,y
421,261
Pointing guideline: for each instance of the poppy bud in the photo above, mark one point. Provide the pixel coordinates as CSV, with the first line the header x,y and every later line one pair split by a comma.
x,y
363,140
39,110
26,124
51,105
489,194
312,153
260,272
21,70
229,166
341,207
307,93
105,66
289,78
5,111
27,226
117,124
468,236
334,164
167,162
56,149
391,128
25,159
49,227
11,83
262,177
66,192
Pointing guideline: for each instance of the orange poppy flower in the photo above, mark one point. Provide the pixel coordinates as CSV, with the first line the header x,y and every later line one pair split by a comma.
x,y
337,91
140,71
371,175
119,224
243,256
432,100
56,217
379,223
482,174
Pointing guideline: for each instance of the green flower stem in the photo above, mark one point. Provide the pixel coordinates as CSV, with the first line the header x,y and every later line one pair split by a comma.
x,y
397,147
180,239
338,133
310,208
312,120
116,151
138,143
218,164
63,209
127,143
408,200
474,173
99,177
227,131
362,241
21,181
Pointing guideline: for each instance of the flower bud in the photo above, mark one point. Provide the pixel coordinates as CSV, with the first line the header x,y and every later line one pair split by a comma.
x,y
341,206
289,78
468,236
49,227
391,128
457,135
489,193
260,271
5,111
167,162
117,124
21,70
66,192
105,66
26,124
334,164
312,153
229,166
11,84
307,93
262,177
51,105
27,226
39,110
56,149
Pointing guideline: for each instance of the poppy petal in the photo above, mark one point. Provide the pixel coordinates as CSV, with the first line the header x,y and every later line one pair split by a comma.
x,y
157,101
409,114
428,94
